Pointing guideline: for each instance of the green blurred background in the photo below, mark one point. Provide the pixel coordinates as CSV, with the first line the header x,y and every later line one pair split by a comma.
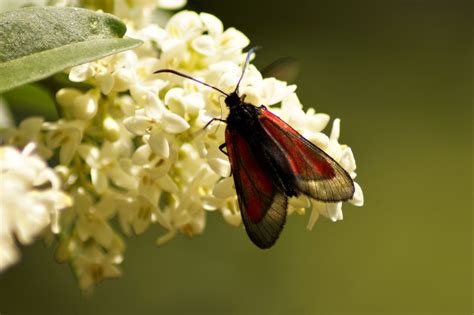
x,y
399,75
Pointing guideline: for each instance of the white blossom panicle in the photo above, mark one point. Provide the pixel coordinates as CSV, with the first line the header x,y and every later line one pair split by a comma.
x,y
30,200
132,148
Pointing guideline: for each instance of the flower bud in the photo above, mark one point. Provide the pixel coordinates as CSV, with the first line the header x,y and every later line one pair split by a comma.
x,y
85,106
111,129
67,96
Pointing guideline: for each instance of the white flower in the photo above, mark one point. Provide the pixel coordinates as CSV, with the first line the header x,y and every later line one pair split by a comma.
x,y
92,265
224,198
65,135
105,166
92,218
30,200
138,213
185,101
115,73
187,28
152,182
155,123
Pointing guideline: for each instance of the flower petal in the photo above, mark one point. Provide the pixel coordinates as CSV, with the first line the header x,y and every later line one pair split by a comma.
x,y
80,73
105,82
167,184
138,125
173,123
154,107
232,218
335,131
99,180
171,4
358,198
205,45
90,154
347,160
313,218
174,101
142,154
213,25
69,147
224,188
233,40
220,166
121,178
158,143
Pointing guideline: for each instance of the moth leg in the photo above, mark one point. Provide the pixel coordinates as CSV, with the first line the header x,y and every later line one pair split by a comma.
x,y
221,148
213,120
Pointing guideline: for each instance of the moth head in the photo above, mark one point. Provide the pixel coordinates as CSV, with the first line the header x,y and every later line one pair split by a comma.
x,y
233,100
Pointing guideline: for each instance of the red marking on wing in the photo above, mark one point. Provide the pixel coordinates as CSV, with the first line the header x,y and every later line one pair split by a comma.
x,y
300,154
261,200
250,172
315,173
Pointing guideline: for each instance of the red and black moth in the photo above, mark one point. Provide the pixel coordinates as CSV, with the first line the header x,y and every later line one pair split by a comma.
x,y
270,162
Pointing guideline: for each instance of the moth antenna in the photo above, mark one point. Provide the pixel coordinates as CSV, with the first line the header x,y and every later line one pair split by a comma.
x,y
190,78
247,60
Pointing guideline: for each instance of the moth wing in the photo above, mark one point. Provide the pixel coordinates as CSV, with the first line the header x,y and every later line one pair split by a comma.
x,y
315,173
262,203
284,69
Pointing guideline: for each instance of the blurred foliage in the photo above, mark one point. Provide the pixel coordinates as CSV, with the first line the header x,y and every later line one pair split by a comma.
x,y
31,100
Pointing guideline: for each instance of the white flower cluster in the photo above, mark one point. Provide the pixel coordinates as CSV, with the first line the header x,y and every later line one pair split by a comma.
x,y
133,146
30,200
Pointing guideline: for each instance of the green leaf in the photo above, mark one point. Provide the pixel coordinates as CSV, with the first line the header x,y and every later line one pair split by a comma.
x,y
31,100
40,41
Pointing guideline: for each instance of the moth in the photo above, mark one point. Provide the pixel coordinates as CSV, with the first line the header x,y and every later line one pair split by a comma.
x,y
271,162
